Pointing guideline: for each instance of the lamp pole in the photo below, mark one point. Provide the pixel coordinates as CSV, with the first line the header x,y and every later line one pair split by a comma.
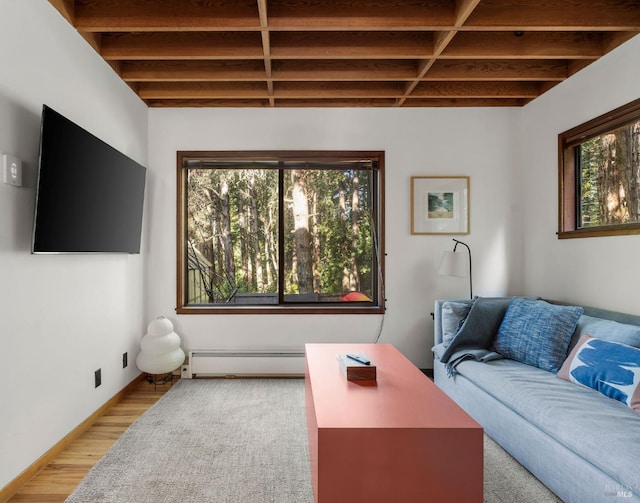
x,y
470,275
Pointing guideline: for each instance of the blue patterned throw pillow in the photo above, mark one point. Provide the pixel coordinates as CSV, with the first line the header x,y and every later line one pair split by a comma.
x,y
537,333
610,368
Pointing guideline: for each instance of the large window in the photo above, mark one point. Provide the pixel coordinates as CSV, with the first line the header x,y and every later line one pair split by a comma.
x,y
600,175
288,232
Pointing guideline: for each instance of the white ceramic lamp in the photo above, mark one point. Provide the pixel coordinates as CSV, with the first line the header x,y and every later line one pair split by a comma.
x,y
160,350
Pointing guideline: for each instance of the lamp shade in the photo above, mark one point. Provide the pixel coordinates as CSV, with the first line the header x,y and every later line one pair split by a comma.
x,y
160,350
454,263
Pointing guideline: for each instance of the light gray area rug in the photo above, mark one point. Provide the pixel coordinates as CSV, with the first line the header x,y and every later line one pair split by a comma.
x,y
241,441
210,441
507,481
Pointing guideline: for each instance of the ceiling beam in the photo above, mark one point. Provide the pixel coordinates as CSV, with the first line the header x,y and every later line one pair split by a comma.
x,y
311,90
266,47
203,90
345,69
499,69
182,45
558,15
476,90
350,45
165,15
353,15
527,45
192,71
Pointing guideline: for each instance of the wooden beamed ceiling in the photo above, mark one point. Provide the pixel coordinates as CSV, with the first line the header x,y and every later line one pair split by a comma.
x,y
320,53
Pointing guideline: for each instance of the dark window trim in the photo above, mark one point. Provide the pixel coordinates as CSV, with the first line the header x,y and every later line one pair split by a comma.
x,y
273,155
568,192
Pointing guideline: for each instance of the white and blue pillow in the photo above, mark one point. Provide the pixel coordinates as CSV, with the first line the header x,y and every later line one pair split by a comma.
x,y
611,368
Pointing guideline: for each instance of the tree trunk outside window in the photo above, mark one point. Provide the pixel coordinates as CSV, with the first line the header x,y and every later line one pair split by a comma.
x,y
302,236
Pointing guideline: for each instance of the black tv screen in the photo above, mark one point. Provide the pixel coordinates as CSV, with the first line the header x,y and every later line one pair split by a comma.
x,y
89,196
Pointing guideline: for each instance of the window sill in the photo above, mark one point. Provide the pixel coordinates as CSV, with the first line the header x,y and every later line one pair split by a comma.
x,y
306,309
613,230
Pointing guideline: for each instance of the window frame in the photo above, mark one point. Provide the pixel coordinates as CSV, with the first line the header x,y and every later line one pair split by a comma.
x,y
568,175
291,308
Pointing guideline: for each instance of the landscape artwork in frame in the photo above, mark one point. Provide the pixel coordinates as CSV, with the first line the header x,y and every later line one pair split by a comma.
x,y
439,205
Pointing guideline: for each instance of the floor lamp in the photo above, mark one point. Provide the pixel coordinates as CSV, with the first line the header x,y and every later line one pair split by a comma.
x,y
454,263
160,352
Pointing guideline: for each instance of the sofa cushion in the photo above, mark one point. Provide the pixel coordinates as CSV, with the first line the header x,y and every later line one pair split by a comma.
x,y
602,431
610,368
607,330
453,315
537,333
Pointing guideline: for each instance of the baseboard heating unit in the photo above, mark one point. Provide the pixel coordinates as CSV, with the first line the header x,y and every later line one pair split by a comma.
x,y
217,363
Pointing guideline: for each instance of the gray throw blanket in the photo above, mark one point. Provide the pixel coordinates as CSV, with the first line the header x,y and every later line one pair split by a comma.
x,y
476,335
479,355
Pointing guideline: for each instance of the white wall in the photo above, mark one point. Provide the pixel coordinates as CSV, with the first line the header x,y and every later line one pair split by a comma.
x,y
474,142
63,316
601,272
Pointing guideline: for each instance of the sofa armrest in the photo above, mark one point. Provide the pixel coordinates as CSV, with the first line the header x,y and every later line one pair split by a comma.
x,y
437,322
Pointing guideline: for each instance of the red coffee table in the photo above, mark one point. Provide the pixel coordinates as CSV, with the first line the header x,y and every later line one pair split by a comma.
x,y
400,439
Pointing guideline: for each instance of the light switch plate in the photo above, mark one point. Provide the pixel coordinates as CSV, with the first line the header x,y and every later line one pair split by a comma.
x,y
11,170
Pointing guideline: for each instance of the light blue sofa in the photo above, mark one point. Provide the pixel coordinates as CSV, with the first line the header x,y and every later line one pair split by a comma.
x,y
582,445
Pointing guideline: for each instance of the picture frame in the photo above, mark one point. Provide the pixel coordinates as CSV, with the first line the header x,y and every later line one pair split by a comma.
x,y
440,205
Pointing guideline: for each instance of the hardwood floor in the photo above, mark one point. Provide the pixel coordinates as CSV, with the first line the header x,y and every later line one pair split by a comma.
x,y
60,477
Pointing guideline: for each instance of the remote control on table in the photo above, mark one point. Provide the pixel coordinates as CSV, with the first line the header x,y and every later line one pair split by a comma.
x,y
359,359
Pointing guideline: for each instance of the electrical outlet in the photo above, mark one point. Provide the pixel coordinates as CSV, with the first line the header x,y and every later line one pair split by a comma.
x,y
125,360
98,377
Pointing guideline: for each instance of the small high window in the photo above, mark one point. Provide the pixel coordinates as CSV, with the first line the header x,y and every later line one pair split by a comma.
x,y
600,175
265,232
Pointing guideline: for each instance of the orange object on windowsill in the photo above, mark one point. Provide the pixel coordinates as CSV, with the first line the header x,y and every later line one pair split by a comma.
x,y
355,297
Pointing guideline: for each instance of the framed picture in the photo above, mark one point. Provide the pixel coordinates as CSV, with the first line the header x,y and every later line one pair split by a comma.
x,y
439,205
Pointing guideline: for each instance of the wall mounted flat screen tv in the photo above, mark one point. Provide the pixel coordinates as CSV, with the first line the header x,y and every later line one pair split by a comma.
x,y
89,196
